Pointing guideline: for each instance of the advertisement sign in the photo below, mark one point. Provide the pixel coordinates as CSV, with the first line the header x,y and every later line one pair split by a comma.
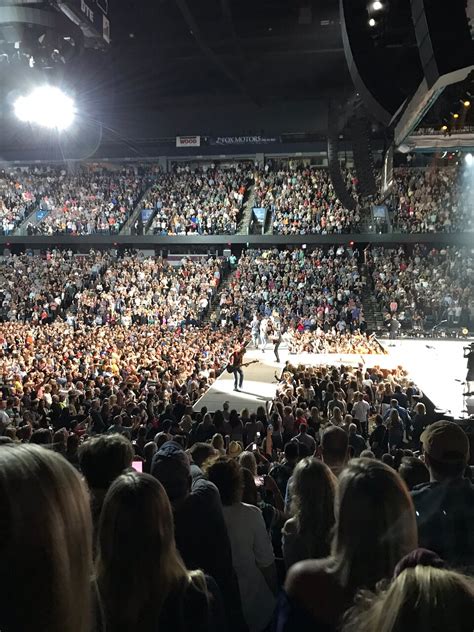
x,y
244,140
188,141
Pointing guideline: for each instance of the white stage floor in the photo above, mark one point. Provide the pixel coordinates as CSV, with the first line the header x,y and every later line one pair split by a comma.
x,y
436,366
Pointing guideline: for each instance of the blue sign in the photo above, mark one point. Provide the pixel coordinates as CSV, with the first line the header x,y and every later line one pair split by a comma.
x,y
40,215
146,215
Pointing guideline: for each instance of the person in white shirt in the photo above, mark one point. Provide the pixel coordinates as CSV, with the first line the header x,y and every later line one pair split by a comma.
x,y
360,413
264,333
252,552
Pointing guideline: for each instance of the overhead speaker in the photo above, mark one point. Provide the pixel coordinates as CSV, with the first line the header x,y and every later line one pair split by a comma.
x,y
334,166
443,35
363,156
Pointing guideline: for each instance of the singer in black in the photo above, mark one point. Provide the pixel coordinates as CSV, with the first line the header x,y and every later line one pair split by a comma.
x,y
236,360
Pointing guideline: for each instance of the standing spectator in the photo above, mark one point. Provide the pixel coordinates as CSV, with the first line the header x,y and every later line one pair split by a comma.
x,y
375,528
45,545
282,472
445,505
423,598
334,449
304,438
252,551
378,439
413,471
134,592
200,531
360,413
356,441
307,534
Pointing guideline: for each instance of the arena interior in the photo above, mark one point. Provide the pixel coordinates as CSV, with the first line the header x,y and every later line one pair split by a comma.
x,y
236,255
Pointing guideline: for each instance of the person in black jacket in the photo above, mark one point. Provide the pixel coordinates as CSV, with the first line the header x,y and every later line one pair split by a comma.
x,y
378,439
200,531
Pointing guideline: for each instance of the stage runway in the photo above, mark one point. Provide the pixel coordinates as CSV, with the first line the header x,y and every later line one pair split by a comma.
x,y
436,366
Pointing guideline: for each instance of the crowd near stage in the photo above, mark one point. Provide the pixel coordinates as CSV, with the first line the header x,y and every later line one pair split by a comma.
x,y
437,367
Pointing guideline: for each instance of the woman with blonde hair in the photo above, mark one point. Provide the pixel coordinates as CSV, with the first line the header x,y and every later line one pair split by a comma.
x,y
45,543
142,582
308,533
375,527
423,598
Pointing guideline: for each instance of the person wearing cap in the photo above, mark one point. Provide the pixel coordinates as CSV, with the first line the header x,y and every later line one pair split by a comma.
x,y
445,505
200,531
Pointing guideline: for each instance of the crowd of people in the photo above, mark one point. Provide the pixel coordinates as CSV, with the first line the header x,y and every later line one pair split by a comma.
x,y
432,200
340,506
302,201
204,200
422,287
92,201
19,191
315,294
208,199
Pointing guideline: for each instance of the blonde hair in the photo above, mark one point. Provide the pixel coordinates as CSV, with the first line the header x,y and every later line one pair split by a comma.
x,y
375,521
423,598
45,542
133,586
312,504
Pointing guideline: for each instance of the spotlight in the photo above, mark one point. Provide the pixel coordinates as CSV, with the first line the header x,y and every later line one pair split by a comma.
x,y
47,106
372,22
469,158
455,115
466,103
377,6
444,128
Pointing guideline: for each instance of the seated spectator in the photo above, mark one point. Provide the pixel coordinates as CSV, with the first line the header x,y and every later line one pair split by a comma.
x,y
199,526
308,533
423,598
252,551
375,528
445,505
45,544
101,460
133,593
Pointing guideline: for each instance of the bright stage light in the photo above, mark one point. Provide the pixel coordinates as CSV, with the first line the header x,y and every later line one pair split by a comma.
x,y
372,22
377,6
466,103
46,106
469,160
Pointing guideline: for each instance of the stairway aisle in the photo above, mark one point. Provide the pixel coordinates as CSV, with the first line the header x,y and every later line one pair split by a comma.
x,y
372,313
244,224
127,227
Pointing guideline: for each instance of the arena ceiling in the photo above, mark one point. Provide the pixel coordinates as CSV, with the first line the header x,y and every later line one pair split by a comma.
x,y
168,50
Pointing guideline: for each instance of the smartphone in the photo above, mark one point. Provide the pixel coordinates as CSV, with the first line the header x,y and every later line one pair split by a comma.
x,y
254,446
259,481
137,466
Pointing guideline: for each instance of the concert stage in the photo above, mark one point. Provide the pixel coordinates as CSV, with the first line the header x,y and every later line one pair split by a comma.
x,y
436,366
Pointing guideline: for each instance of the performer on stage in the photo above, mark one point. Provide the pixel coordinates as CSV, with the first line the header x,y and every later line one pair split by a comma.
x,y
236,360
276,334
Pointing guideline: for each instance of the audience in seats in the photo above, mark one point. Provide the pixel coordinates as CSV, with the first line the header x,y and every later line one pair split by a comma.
x,y
302,201
433,200
424,287
89,202
203,200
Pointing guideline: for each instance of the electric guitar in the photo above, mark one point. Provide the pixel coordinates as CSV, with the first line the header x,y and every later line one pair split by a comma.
x,y
230,367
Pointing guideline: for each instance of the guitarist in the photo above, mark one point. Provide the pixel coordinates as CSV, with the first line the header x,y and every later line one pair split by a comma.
x,y
236,360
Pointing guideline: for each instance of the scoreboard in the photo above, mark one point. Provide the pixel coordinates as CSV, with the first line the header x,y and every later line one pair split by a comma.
x,y
92,18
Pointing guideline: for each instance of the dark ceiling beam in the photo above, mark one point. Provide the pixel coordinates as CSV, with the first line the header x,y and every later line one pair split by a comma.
x,y
208,52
